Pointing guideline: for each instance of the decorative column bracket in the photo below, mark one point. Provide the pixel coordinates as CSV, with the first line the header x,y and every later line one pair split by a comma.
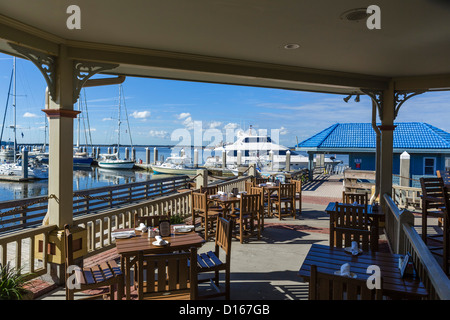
x,y
83,70
377,97
401,96
47,64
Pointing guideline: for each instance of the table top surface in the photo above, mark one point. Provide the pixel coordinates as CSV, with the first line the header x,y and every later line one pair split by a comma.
x,y
329,260
141,242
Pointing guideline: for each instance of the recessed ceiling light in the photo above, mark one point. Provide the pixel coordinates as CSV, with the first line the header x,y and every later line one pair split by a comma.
x,y
355,15
291,46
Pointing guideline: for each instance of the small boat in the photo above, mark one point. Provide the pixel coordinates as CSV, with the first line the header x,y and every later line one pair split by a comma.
x,y
35,171
112,161
175,165
82,159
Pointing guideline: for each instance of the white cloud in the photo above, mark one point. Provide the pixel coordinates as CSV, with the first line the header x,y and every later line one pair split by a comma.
x,y
159,134
214,124
29,115
107,119
188,123
231,125
141,115
183,115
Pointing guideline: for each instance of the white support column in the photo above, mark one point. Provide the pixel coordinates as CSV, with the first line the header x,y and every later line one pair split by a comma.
x,y
61,115
387,141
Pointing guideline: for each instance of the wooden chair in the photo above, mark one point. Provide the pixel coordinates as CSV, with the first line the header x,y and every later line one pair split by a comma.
x,y
446,231
257,181
260,191
249,185
350,223
248,220
325,286
169,276
286,196
201,209
298,194
358,197
432,205
211,262
209,190
107,273
149,221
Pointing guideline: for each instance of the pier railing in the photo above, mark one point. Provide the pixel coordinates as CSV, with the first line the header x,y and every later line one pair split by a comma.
x,y
403,239
20,214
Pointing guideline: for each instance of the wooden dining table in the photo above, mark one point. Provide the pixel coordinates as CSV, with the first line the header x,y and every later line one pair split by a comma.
x,y
373,215
130,248
330,259
227,202
269,190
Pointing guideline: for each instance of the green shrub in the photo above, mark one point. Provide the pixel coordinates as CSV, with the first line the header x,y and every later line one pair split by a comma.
x,y
11,283
176,219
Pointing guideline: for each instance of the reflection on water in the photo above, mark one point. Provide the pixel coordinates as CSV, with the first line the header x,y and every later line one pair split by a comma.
x,y
83,178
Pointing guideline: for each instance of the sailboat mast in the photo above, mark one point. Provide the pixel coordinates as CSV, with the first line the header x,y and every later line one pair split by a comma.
x,y
118,131
78,126
14,108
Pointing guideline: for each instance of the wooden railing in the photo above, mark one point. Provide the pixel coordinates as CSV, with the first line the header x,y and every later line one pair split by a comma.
x,y
20,214
407,197
403,239
18,249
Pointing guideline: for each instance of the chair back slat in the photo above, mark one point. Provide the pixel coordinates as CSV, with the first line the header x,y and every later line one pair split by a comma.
x,y
298,185
286,190
167,274
223,235
150,221
358,197
350,223
200,202
209,190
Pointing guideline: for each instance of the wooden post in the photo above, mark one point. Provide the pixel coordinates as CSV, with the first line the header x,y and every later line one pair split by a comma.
x,y
202,178
404,169
155,155
147,156
288,160
387,141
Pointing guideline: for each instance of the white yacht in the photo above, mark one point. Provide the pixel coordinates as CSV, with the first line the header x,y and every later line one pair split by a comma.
x,y
175,164
259,149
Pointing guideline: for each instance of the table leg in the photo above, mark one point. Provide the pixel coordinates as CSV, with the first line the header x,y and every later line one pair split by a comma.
x,y
127,278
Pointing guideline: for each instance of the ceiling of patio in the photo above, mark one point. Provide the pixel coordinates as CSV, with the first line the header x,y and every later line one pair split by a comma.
x,y
414,39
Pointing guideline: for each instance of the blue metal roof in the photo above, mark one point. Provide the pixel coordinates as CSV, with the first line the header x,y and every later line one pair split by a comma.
x,y
407,135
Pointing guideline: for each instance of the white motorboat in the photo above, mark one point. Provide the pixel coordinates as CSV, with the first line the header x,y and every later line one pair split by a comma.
x,y
112,161
250,148
16,169
175,164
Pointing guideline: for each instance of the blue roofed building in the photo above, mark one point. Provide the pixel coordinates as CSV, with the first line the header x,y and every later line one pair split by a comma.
x,y
427,146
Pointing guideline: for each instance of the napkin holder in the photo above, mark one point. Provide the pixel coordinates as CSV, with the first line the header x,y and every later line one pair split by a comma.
x,y
164,228
407,267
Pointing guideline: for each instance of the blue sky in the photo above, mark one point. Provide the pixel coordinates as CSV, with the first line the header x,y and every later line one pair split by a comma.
x,y
160,110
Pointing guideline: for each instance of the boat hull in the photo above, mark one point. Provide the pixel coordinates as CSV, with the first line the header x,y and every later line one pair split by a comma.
x,y
164,170
82,162
116,165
